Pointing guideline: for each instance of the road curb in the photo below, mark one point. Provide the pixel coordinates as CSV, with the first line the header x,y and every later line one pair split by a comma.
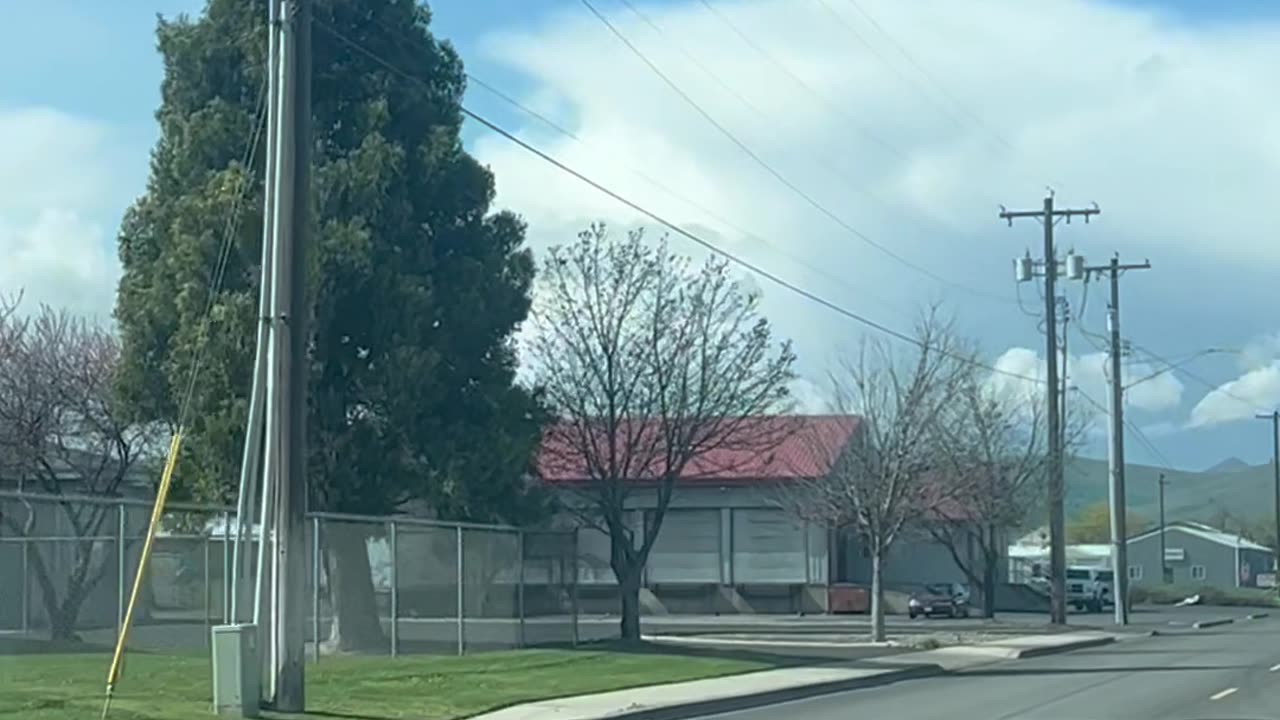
x,y
736,703
954,659
1201,624
1064,647
1256,616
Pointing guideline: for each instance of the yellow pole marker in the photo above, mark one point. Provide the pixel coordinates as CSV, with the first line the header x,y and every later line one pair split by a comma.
x,y
157,512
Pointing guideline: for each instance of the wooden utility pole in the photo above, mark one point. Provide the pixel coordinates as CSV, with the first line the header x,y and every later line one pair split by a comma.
x,y
1115,456
1274,417
289,524
275,451
1164,561
1048,216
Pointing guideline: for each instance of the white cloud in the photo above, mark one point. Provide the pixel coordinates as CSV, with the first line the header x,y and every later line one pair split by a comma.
x,y
58,182
1146,388
810,397
1239,399
1146,114
1260,351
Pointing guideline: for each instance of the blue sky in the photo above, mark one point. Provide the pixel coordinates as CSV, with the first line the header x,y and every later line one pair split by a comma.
x,y
1173,156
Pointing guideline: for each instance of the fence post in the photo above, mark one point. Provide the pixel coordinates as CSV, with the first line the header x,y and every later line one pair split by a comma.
x,y
315,589
120,568
520,549
226,570
395,590
461,609
806,528
573,587
26,585
208,603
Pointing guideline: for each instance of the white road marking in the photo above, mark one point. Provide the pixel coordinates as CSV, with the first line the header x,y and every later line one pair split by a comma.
x,y
1274,668
1222,694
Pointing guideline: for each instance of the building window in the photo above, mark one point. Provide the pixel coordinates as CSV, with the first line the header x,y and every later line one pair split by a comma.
x,y
1197,572
1135,572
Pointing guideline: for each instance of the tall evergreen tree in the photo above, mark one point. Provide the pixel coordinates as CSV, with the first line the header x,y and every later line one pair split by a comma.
x,y
416,285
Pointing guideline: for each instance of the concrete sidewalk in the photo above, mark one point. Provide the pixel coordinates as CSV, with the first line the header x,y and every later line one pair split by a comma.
x,y
737,692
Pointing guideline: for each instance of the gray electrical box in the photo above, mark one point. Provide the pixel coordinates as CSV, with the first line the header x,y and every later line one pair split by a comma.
x,y
237,673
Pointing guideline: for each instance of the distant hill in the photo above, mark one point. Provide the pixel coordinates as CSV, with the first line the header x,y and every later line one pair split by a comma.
x,y
1242,492
1230,465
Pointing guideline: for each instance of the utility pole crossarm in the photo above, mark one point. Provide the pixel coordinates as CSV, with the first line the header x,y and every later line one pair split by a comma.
x,y
1145,265
1043,215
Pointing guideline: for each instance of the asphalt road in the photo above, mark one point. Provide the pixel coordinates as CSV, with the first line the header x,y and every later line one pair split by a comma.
x,y
1232,671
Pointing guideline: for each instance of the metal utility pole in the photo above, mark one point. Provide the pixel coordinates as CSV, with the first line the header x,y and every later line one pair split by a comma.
x,y
1274,417
1164,561
251,462
289,524
1048,217
1119,531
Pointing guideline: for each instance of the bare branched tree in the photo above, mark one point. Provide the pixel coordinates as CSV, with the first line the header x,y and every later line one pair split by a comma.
x,y
881,479
651,365
991,444
62,433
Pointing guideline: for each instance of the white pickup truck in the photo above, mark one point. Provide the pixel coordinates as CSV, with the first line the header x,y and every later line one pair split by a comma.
x,y
1090,588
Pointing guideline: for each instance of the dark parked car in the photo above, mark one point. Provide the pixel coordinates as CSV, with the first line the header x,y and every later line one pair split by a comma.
x,y
950,599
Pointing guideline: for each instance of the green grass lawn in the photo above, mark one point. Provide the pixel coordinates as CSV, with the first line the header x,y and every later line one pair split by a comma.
x,y
66,686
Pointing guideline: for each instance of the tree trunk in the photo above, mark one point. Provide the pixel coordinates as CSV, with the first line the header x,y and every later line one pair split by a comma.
x,y
990,559
63,621
877,597
989,583
629,601
62,626
355,625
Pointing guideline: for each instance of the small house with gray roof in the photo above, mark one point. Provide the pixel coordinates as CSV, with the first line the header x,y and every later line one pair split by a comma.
x,y
1201,555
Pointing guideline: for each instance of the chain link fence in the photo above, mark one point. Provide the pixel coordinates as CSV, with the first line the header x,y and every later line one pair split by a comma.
x,y
384,585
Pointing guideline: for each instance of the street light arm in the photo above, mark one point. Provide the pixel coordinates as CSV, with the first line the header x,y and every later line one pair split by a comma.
x,y
1170,367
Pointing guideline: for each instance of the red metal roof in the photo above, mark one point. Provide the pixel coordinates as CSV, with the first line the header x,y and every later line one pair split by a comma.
x,y
764,449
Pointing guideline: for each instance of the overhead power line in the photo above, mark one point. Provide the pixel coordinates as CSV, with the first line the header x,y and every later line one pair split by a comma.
x,y
975,119
840,19
1172,367
673,227
1137,431
822,99
823,159
682,198
1146,442
907,55
765,165
229,230
693,60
